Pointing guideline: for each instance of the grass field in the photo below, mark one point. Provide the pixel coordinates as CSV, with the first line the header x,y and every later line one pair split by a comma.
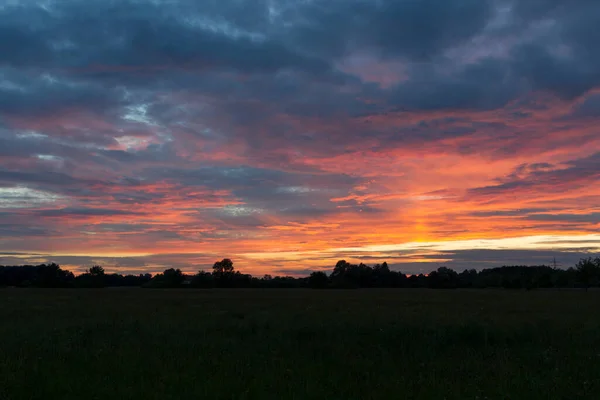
x,y
299,344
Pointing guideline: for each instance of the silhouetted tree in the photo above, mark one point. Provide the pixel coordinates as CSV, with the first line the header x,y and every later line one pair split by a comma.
x,y
170,278
344,275
467,278
238,280
96,270
223,267
224,274
51,276
318,280
417,281
341,275
443,278
173,276
340,269
95,277
203,280
118,280
588,272
382,276
564,278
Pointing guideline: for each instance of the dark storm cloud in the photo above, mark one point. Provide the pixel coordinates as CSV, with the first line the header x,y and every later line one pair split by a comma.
x,y
100,35
551,48
413,29
40,92
544,71
68,47
485,85
98,38
574,31
100,55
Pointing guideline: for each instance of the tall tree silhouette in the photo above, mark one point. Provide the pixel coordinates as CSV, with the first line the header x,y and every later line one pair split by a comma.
x,y
588,271
225,266
318,280
96,270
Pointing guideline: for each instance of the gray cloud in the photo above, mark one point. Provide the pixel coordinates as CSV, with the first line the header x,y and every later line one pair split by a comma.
x,y
41,91
259,184
589,108
570,176
90,212
482,259
591,218
414,29
51,178
20,230
100,35
136,45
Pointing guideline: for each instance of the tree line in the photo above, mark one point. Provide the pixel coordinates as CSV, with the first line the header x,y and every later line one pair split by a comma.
x,y
585,274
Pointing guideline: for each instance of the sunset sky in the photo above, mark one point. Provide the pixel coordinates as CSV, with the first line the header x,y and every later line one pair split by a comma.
x,y
289,134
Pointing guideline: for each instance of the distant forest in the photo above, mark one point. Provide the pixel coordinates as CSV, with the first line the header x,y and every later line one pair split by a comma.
x,y
585,274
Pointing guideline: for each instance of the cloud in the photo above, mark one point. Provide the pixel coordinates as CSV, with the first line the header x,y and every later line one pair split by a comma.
x,y
414,29
572,175
591,218
588,108
24,92
279,130
78,212
50,178
482,259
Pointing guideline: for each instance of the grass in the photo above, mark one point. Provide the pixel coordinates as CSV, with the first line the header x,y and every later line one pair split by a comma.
x,y
299,344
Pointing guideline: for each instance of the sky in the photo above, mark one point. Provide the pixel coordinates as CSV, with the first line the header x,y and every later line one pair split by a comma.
x,y
289,134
